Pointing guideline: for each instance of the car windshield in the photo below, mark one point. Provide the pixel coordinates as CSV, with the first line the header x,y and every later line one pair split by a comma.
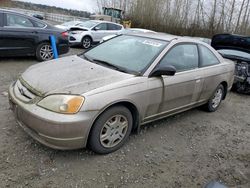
x,y
88,24
131,53
234,53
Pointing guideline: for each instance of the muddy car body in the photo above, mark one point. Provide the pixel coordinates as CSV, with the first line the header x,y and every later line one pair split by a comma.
x,y
95,99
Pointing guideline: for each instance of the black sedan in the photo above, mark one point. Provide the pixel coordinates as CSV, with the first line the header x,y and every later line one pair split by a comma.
x,y
22,35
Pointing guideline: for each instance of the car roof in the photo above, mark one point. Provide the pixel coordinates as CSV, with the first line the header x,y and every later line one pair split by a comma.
x,y
167,37
3,10
103,21
159,36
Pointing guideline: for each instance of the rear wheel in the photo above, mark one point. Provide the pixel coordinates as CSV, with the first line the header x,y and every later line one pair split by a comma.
x,y
215,101
44,52
111,130
86,42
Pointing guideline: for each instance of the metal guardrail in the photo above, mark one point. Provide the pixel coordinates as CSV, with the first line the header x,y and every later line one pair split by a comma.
x,y
60,18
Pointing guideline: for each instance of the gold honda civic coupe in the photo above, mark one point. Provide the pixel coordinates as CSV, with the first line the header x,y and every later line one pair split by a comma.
x,y
97,98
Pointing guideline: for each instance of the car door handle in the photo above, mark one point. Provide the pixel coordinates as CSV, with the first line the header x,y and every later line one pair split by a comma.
x,y
35,32
198,79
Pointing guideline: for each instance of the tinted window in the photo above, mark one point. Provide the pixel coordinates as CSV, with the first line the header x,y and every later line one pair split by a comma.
x,y
207,57
182,57
102,26
17,21
40,25
114,27
1,19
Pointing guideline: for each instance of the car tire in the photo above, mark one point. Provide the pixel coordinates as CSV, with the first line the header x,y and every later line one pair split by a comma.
x,y
86,42
44,52
215,101
111,130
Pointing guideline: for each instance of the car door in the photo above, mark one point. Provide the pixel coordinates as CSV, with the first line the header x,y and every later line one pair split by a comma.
x,y
18,35
99,31
172,94
211,68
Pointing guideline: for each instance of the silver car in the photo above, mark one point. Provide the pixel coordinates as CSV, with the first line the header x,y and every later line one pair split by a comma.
x,y
97,98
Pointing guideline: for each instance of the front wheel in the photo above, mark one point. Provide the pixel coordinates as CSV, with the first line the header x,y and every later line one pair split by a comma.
x,y
44,52
86,42
215,101
111,130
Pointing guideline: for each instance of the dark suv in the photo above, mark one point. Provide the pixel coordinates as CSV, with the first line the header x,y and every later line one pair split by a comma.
x,y
236,48
22,35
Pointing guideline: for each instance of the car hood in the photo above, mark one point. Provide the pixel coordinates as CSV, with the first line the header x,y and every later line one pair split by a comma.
x,y
236,47
71,75
73,28
232,42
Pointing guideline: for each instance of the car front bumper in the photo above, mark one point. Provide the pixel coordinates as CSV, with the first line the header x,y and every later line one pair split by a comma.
x,y
58,131
75,39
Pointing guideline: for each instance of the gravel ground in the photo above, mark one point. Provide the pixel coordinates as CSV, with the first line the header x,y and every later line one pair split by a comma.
x,y
187,150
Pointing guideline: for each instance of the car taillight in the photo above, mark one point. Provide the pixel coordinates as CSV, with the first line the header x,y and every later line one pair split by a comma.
x,y
65,34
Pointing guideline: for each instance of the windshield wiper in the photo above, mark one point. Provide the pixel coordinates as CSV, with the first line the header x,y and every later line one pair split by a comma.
x,y
115,67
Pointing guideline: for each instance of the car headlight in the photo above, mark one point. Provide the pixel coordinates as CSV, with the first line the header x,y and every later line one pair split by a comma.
x,y
65,104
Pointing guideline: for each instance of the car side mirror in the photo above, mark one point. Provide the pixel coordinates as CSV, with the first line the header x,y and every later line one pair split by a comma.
x,y
97,28
168,70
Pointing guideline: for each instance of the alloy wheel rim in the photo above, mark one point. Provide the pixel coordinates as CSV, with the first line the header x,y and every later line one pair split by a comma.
x,y
86,43
46,52
114,130
217,98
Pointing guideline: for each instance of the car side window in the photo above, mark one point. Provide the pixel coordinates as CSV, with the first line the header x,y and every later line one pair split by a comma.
x,y
207,57
114,27
102,26
183,57
1,19
17,21
39,25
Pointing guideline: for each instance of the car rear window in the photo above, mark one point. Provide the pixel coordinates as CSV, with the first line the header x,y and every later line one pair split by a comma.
x,y
114,27
39,25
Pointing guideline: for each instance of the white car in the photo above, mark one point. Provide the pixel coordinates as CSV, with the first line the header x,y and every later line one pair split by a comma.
x,y
89,32
128,31
68,25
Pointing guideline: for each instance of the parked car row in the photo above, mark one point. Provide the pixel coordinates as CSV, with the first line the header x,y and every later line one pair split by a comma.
x,y
22,35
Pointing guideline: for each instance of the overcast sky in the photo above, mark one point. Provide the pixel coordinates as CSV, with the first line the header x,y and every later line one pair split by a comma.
x,y
87,5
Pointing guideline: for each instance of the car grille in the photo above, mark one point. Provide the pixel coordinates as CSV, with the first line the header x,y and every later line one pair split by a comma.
x,y
22,92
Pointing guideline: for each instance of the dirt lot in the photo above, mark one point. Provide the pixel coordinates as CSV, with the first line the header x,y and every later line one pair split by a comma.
x,y
187,150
